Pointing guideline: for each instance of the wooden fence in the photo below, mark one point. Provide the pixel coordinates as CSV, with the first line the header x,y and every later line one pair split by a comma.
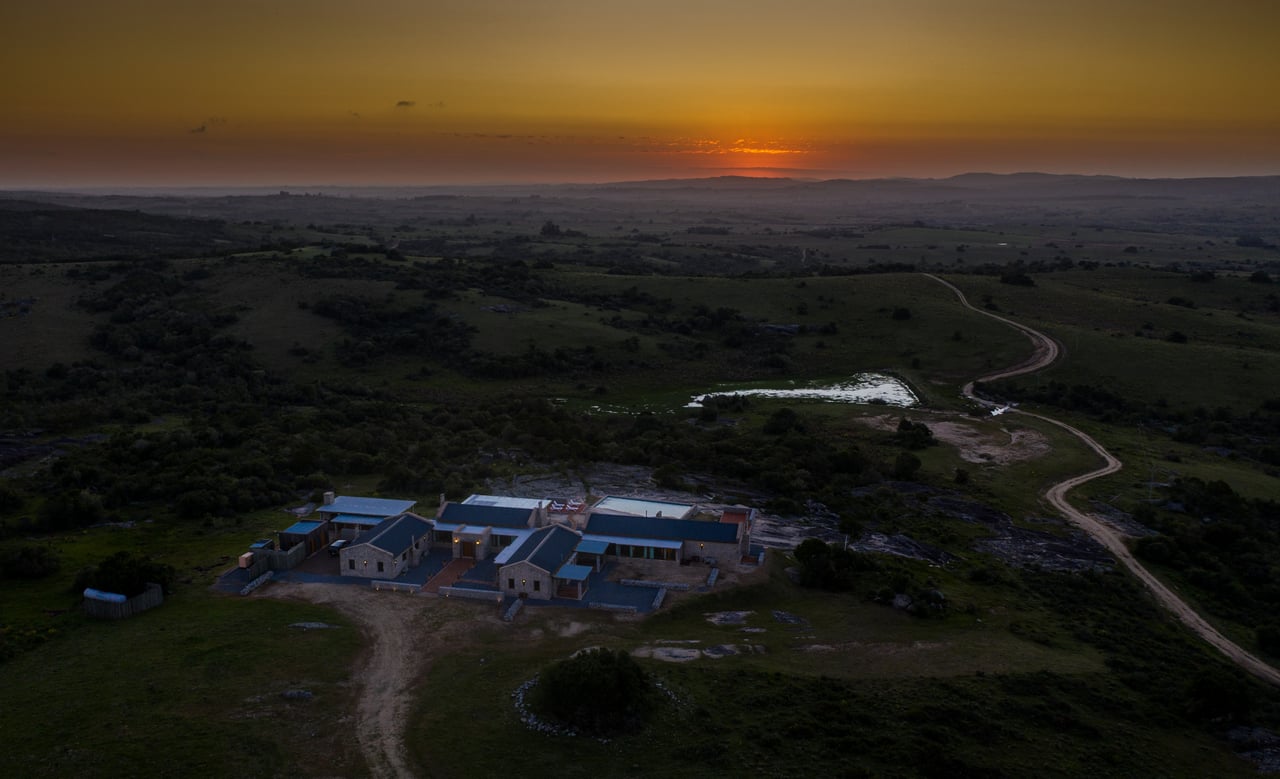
x,y
105,609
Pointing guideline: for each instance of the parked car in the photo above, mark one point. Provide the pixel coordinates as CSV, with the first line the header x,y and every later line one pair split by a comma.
x,y
337,546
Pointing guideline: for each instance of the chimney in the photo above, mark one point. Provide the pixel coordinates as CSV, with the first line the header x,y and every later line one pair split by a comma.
x,y
329,497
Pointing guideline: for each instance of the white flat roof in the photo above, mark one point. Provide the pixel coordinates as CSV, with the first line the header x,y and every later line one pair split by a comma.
x,y
506,502
637,507
656,543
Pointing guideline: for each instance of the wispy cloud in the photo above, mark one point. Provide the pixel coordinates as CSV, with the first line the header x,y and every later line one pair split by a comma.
x,y
406,103
211,122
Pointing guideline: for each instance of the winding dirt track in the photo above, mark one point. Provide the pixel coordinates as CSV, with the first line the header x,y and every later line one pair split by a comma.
x,y
1046,351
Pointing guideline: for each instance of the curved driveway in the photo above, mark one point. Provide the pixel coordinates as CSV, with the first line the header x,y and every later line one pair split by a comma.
x,y
1046,351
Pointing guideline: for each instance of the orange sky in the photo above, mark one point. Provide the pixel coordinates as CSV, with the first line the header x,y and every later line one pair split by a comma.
x,y
142,92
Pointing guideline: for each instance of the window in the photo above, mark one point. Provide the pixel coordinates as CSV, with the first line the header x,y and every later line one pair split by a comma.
x,y
379,566
351,565
537,585
511,583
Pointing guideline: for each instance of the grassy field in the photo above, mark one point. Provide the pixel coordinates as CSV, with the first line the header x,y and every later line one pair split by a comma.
x,y
855,689
1027,673
193,687
1115,327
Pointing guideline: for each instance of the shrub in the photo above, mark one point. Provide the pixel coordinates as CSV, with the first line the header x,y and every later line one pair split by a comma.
x,y
914,435
1017,279
598,692
29,562
128,574
905,466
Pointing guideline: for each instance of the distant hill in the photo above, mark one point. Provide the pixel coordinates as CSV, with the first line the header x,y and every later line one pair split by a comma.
x,y
35,232
186,221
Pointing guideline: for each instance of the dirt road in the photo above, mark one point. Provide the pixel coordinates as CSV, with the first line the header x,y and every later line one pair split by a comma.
x,y
1046,351
403,632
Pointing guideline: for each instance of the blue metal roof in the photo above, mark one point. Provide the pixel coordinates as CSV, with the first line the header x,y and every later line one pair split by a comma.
x,y
368,507
592,546
357,519
652,527
574,573
547,548
395,534
491,516
302,528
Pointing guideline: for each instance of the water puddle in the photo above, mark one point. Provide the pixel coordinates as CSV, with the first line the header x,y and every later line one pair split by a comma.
x,y
862,388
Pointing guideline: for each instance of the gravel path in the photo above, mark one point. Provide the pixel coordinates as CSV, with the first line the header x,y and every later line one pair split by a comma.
x,y
1046,351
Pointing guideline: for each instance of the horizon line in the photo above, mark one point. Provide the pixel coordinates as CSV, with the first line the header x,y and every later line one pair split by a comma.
x,y
288,187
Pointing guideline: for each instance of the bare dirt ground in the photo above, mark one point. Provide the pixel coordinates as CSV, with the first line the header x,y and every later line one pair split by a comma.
x,y
978,441
402,633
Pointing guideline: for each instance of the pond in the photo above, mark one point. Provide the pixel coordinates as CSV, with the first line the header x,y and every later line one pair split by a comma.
x,y
861,388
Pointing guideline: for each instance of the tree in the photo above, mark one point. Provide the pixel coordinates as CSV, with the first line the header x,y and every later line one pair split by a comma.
x,y
551,230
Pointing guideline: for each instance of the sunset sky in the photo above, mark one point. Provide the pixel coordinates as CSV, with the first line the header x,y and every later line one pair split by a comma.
x,y
279,92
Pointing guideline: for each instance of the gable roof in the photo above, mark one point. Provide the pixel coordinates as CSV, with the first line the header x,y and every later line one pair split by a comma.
x,y
395,534
604,524
490,516
368,507
547,548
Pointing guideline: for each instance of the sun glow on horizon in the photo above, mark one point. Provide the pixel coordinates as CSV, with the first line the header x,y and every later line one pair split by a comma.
x,y
492,91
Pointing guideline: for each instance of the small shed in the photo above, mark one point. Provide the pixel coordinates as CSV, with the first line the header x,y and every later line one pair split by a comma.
x,y
312,533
